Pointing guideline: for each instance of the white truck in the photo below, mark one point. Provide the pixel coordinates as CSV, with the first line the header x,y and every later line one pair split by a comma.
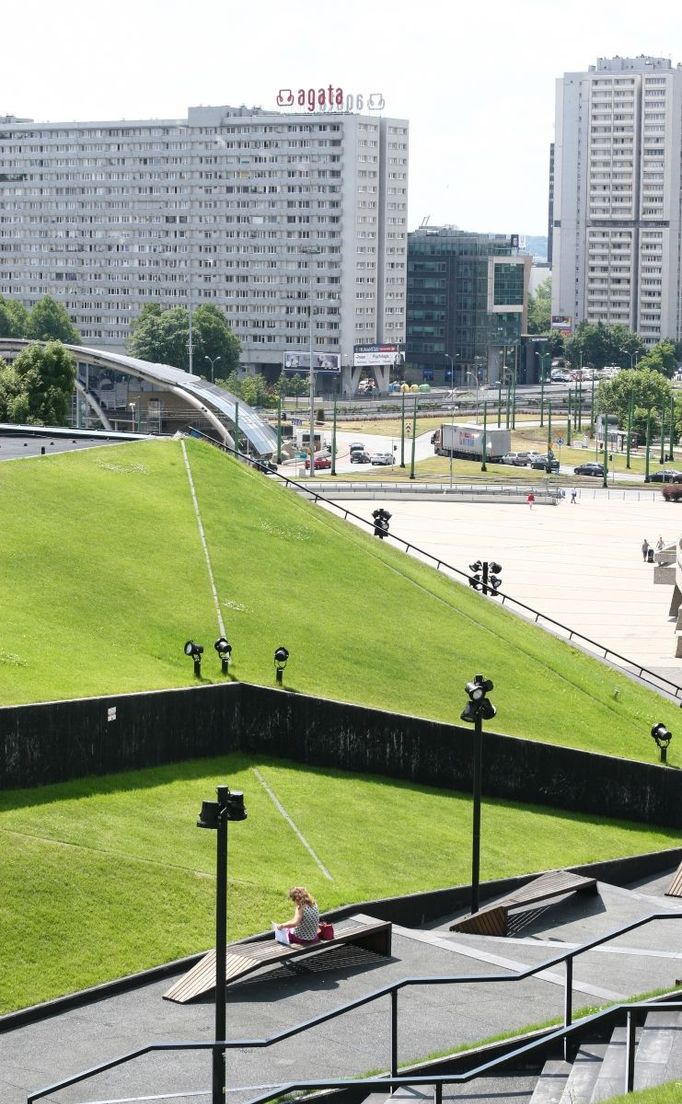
x,y
466,441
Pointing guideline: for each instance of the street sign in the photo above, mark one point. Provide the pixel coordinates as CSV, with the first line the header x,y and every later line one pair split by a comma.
x,y
297,421
559,440
301,455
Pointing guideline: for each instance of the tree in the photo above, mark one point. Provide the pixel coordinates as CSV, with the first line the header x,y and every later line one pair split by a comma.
x,y
661,358
540,308
50,321
254,390
648,390
13,318
37,388
601,345
161,335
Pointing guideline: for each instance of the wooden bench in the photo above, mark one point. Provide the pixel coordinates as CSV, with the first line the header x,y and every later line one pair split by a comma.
x,y
675,887
244,958
493,919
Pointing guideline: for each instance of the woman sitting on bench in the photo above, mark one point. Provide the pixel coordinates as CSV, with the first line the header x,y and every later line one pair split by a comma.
x,y
303,928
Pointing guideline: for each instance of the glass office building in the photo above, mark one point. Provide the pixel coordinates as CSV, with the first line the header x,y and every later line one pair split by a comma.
x,y
467,297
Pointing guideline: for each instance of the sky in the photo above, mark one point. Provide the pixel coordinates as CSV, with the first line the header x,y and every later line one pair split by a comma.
x,y
476,81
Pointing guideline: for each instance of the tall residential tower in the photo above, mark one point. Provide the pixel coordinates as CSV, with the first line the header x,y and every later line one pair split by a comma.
x,y
616,254
268,215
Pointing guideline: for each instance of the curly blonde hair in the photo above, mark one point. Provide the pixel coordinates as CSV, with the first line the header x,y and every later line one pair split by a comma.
x,y
300,896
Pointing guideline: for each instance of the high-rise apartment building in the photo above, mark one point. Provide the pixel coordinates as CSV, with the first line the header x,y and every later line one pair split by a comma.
x,y
616,254
258,212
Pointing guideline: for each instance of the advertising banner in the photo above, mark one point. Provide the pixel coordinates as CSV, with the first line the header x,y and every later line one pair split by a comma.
x,y
365,356
322,362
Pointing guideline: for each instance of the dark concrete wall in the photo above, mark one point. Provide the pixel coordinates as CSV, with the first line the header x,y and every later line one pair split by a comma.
x,y
54,741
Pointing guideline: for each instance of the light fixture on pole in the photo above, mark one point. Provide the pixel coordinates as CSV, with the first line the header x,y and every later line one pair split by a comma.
x,y
194,652
662,738
281,656
132,415
212,361
477,709
215,815
224,650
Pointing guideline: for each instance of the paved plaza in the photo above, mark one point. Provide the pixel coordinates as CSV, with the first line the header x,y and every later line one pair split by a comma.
x,y
579,564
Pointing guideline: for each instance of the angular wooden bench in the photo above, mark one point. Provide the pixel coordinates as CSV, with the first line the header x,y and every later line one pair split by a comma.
x,y
493,919
244,958
675,887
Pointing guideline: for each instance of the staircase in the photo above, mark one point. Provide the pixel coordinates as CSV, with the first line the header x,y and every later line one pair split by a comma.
x,y
598,1072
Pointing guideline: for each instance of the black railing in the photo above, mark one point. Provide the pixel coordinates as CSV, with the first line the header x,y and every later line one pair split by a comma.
x,y
636,670
392,1080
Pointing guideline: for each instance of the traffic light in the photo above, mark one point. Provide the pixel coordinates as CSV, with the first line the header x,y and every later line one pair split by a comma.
x,y
478,706
381,520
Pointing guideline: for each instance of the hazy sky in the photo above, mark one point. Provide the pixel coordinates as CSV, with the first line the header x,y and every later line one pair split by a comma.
x,y
475,80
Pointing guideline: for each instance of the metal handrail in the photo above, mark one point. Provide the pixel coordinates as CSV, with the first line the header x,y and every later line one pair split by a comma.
x,y
639,671
392,991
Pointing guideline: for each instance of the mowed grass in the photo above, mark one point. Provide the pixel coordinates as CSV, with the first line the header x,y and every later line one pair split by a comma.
x,y
106,876
105,579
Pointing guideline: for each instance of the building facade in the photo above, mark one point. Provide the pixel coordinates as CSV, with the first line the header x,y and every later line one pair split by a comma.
x,y
264,214
616,254
467,303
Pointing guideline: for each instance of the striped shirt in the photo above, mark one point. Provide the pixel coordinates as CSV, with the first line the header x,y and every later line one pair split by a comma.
x,y
307,929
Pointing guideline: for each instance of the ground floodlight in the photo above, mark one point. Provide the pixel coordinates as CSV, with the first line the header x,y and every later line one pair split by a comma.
x,y
281,657
662,737
224,650
194,652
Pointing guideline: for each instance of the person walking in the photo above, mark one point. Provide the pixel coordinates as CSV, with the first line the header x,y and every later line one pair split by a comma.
x,y
574,497
531,499
645,549
660,545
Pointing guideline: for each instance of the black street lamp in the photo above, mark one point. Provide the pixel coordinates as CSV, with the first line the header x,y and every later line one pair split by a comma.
x,y
215,815
381,521
485,577
194,652
477,709
281,657
662,738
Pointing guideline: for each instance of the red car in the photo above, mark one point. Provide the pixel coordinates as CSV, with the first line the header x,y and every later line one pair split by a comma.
x,y
320,462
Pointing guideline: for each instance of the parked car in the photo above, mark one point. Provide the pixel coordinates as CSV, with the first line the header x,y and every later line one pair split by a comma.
x,y
589,469
359,457
541,463
560,377
357,446
320,462
666,475
382,458
518,459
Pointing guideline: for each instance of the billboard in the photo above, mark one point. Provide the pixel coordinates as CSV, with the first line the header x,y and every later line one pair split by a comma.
x,y
563,323
322,362
365,356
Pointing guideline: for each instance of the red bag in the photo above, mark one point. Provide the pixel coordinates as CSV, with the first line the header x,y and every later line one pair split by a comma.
x,y
325,930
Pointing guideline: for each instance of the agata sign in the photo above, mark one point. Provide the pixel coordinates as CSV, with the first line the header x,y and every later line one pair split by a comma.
x,y
330,98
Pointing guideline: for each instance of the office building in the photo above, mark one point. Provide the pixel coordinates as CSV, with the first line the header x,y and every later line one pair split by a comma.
x,y
257,212
616,235
467,303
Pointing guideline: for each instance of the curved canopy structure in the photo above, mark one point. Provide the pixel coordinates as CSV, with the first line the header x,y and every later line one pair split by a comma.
x,y
216,404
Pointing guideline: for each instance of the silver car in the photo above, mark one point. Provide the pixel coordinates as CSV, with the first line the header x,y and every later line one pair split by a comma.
x,y
385,458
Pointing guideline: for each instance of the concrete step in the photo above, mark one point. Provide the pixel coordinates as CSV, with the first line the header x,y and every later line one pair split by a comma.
x,y
659,1053
611,1079
583,1076
551,1082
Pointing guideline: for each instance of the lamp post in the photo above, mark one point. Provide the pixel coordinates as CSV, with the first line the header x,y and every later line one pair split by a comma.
x,y
543,375
402,429
333,471
672,427
452,370
549,426
484,443
414,438
212,361
215,815
629,429
648,447
132,416
311,251
606,448
279,427
477,709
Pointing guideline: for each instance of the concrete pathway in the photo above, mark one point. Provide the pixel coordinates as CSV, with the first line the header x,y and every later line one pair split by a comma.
x,y
580,564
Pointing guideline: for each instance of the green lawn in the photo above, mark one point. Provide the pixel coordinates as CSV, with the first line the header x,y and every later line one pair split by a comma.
x,y
105,578
105,876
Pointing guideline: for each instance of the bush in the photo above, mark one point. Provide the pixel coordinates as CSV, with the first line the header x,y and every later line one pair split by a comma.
x,y
672,492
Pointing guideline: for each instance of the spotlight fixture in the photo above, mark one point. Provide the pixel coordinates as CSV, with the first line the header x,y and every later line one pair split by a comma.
x,y
224,650
662,737
194,652
478,706
281,657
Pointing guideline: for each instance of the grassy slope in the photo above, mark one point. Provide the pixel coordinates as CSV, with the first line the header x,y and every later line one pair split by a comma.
x,y
110,536
105,876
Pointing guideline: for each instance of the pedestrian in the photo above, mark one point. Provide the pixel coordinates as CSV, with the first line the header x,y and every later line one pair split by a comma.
x,y
531,499
660,545
645,549
574,497
303,927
